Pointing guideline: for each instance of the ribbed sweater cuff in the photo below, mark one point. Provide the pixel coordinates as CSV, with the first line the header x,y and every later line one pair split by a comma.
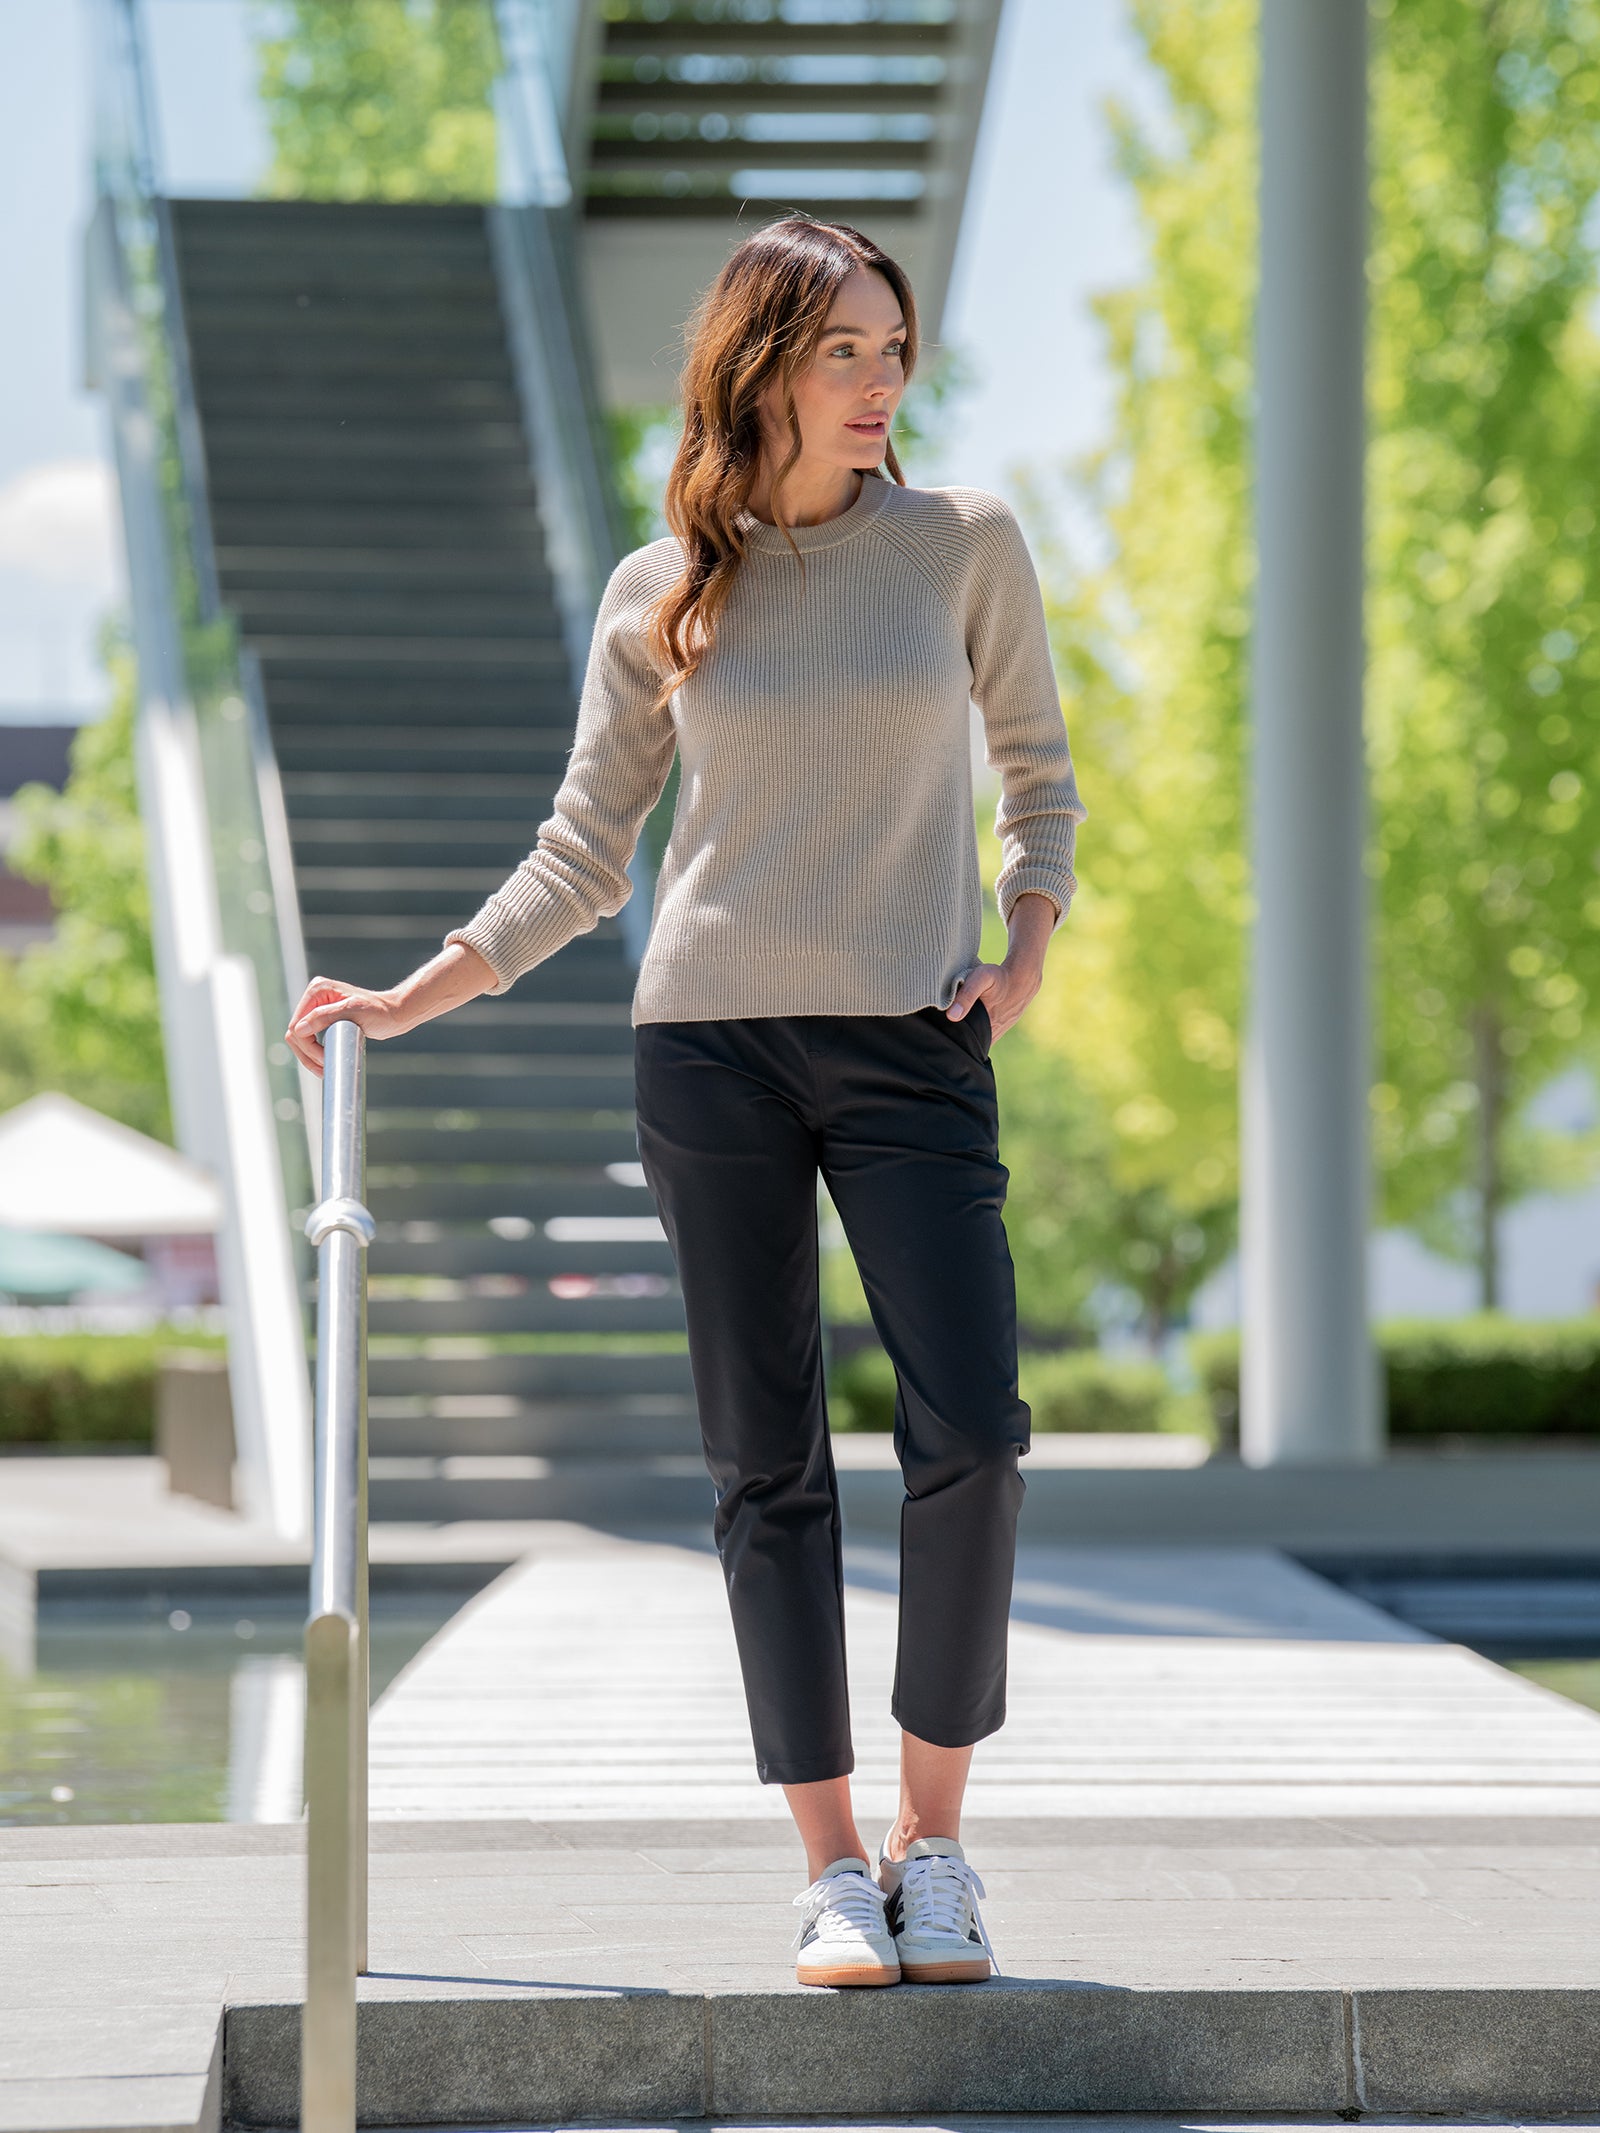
x,y
509,943
1058,883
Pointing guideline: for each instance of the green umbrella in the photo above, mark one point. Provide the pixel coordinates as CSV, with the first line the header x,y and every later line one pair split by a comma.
x,y
36,1268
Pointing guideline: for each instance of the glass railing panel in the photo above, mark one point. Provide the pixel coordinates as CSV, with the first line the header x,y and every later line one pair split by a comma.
x,y
254,919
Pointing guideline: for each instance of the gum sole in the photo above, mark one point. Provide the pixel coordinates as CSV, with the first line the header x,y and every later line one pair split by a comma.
x,y
848,1974
945,1973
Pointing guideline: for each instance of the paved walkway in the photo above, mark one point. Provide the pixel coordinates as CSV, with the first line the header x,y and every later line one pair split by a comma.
x,y
598,1679
1250,1845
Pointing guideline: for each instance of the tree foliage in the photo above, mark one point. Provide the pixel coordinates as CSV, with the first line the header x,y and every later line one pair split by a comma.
x,y
1143,998
380,99
1485,158
1484,616
80,1013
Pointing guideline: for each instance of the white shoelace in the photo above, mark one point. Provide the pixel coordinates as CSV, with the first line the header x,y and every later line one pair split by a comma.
x,y
940,1895
852,1899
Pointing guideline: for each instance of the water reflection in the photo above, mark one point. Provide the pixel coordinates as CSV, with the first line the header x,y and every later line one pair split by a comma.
x,y
187,1717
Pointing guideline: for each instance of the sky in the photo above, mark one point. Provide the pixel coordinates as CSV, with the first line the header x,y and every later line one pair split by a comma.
x,y
1046,226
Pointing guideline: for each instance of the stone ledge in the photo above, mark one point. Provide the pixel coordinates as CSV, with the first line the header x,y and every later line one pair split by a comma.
x,y
1011,2046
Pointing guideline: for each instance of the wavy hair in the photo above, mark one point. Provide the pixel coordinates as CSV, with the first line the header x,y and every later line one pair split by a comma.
x,y
761,320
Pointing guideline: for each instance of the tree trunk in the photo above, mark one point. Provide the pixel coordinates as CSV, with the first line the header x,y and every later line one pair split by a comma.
x,y
1489,1066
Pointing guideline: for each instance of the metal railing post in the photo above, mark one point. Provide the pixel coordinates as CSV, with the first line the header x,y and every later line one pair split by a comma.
x,y
337,1671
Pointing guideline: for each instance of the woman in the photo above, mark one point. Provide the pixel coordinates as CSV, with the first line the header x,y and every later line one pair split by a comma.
x,y
812,1000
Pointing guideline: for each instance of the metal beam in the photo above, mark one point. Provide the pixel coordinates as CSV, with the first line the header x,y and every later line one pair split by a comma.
x,y
1310,1389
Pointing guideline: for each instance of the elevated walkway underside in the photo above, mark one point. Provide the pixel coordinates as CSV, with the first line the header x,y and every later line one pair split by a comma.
x,y
1250,1846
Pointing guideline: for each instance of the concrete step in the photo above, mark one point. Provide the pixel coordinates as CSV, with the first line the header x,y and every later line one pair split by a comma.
x,y
534,661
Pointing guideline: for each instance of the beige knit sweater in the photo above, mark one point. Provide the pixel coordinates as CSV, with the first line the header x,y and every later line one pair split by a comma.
x,y
823,858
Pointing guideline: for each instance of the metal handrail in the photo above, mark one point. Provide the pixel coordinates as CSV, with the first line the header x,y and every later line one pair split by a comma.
x,y
337,1669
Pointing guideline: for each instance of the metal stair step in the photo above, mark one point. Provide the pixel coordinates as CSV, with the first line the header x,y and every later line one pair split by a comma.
x,y
472,1369
514,1026
310,479
329,933
494,567
356,436
393,612
450,796
443,397
525,748
380,540
554,1082
327,892
670,1490
397,528
497,1424
226,354
429,1195
449,845
533,658
535,1311
495,1142
464,1255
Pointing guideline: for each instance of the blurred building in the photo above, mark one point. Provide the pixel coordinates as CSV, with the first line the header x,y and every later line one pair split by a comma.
x,y
36,752
68,1172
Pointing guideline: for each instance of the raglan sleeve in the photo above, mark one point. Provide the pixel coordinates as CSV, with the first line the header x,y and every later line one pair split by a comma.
x,y
577,871
1025,732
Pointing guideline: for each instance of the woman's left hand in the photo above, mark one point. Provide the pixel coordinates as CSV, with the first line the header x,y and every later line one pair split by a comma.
x,y
1006,988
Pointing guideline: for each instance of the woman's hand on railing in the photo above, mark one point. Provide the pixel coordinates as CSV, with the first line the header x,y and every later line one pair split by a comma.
x,y
329,1000
455,976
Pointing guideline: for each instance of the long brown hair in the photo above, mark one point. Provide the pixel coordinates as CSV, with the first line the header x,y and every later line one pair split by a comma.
x,y
761,319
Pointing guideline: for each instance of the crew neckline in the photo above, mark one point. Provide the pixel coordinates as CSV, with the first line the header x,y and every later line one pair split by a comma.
x,y
762,539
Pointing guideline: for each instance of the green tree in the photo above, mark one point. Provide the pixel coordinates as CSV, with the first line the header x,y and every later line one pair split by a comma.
x,y
1481,704
1142,998
80,1013
1484,689
380,99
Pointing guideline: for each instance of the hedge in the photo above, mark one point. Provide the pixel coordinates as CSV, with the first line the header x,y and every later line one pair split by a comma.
x,y
1076,1390
88,1388
1486,1376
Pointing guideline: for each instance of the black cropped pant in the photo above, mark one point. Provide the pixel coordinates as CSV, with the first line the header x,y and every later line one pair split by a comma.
x,y
898,1114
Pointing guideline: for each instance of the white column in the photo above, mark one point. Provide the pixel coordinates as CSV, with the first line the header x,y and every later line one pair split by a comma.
x,y
1310,1388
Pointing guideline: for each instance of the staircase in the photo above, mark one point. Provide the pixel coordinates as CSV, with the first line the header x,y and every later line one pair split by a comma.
x,y
377,534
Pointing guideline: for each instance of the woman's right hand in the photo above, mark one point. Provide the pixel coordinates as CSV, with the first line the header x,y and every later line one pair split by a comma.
x,y
329,1000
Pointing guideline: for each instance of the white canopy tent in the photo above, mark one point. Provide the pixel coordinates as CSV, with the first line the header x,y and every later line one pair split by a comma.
x,y
68,1170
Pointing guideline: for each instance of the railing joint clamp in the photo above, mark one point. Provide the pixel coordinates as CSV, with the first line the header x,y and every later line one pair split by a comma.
x,y
347,1215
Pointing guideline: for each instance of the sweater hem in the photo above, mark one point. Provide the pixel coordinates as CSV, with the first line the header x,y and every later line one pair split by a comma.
x,y
757,987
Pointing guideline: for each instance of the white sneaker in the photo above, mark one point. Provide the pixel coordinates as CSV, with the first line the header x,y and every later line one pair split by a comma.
x,y
843,1937
933,1914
